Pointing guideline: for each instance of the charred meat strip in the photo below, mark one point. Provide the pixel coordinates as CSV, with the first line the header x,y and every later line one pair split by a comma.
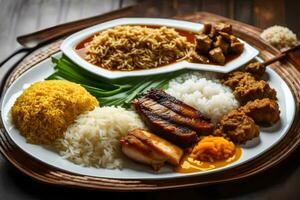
x,y
177,134
145,147
175,105
200,126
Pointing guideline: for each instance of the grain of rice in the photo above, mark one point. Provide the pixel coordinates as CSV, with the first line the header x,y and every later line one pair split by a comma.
x,y
136,47
93,140
203,92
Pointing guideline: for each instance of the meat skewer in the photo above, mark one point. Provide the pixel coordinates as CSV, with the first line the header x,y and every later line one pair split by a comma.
x,y
257,69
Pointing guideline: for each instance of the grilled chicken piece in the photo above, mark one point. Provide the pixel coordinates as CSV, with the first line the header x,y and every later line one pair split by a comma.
x,y
200,126
217,56
177,134
225,36
224,27
220,42
198,58
204,43
145,147
206,28
237,47
175,105
213,33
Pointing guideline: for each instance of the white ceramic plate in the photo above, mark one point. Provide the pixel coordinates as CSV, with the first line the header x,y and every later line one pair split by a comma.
x,y
268,137
70,43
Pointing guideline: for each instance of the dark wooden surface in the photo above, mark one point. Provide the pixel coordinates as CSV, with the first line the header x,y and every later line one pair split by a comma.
x,y
23,16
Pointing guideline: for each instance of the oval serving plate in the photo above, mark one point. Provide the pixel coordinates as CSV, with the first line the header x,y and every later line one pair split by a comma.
x,y
70,43
267,139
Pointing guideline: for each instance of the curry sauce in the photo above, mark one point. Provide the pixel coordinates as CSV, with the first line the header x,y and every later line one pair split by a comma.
x,y
190,165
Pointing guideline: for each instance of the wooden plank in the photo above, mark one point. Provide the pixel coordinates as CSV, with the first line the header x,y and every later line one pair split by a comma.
x,y
269,12
292,16
219,7
9,14
243,11
49,14
125,3
185,6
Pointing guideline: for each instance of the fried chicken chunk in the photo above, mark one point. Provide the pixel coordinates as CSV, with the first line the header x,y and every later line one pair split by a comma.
x,y
264,112
237,127
253,90
237,78
246,88
257,69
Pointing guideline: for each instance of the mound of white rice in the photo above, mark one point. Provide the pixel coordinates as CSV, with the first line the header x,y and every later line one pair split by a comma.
x,y
93,140
280,37
208,96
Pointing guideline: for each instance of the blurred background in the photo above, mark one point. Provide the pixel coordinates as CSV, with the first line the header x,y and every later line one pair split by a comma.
x,y
24,16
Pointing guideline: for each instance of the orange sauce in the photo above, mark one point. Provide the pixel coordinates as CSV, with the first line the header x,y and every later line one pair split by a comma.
x,y
190,165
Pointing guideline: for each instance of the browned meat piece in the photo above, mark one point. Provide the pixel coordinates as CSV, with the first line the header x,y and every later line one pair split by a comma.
x,y
237,78
236,47
203,43
217,56
145,147
213,33
206,28
198,58
175,105
171,118
200,126
237,127
220,42
233,39
254,90
177,134
264,112
257,69
224,27
225,36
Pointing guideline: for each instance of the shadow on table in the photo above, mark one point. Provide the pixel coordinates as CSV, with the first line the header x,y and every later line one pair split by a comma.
x,y
280,182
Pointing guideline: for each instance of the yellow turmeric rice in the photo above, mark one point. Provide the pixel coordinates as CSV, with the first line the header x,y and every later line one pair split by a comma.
x,y
212,148
44,110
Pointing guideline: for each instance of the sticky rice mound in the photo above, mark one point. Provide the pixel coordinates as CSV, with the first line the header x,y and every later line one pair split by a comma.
x,y
212,148
44,110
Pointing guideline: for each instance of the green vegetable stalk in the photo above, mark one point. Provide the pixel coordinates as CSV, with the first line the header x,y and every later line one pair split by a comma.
x,y
118,93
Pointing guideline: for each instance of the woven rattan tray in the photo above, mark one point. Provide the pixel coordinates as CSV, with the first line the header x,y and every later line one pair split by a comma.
x,y
288,70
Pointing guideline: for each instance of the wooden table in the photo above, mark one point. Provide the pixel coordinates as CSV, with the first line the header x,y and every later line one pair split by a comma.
x,y
20,17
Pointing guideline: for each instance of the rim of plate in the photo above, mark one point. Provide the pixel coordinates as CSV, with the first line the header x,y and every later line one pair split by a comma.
x,y
69,44
288,94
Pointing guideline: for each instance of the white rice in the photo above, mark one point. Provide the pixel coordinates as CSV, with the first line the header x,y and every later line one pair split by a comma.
x,y
208,96
279,36
93,140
